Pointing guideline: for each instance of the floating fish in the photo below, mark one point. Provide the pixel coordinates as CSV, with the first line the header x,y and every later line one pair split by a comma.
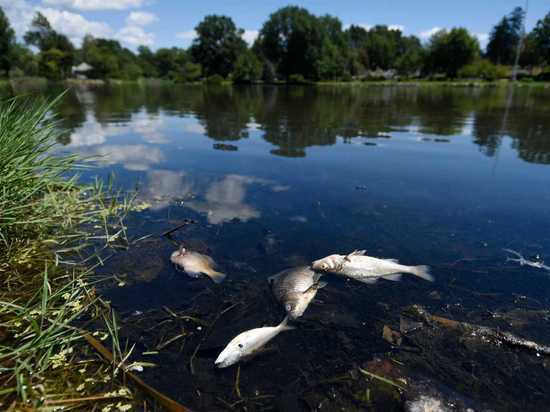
x,y
526,262
295,288
248,343
195,264
368,269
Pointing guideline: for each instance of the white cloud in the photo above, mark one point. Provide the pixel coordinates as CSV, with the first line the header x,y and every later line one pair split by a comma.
x,y
397,27
187,36
141,18
75,26
483,39
429,33
19,13
95,4
250,35
135,36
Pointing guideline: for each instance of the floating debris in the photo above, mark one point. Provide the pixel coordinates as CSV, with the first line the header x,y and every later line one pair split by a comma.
x,y
483,333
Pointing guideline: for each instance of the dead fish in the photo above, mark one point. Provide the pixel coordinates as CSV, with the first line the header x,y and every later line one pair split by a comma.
x,y
248,343
195,264
539,264
368,269
295,288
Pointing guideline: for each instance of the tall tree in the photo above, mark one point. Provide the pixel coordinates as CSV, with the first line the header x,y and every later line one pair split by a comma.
x,y
56,50
504,38
218,44
541,38
290,39
7,43
449,51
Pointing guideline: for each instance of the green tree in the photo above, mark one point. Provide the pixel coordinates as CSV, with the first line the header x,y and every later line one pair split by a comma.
x,y
357,39
504,38
449,51
57,53
24,62
541,38
382,46
247,68
290,39
146,59
411,56
218,45
7,43
170,62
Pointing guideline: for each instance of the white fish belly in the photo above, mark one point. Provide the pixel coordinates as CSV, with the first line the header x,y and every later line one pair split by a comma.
x,y
372,267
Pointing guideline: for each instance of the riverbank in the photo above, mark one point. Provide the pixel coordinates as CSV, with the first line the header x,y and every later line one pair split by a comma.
x,y
27,83
53,232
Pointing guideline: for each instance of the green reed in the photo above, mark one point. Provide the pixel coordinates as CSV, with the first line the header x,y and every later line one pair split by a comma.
x,y
54,231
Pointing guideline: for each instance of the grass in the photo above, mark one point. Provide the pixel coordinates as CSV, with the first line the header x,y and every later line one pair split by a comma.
x,y
54,231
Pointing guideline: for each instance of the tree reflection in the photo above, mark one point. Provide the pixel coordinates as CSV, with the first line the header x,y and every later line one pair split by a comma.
x,y
297,117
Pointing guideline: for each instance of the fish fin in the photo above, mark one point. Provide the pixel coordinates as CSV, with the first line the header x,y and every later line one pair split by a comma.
x,y
284,325
355,253
391,260
422,272
193,274
370,281
321,285
395,277
317,276
217,277
316,286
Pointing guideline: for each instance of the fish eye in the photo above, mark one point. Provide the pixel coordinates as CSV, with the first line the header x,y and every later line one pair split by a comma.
x,y
324,266
240,345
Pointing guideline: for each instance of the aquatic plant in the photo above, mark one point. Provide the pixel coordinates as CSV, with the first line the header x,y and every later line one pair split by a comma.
x,y
53,233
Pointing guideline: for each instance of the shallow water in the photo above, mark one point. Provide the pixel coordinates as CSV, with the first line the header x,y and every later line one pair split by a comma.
x,y
276,177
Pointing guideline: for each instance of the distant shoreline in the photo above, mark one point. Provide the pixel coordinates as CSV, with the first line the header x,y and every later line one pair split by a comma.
x,y
475,83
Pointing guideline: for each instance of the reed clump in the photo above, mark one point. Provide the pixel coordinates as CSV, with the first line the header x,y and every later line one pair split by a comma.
x,y
54,231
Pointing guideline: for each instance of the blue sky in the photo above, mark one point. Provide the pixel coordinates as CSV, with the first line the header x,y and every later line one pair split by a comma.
x,y
166,23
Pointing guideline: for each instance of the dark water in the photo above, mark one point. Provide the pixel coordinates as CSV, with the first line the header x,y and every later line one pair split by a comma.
x,y
277,177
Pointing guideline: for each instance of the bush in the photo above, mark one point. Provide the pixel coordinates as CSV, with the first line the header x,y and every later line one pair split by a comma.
x,y
215,79
297,79
248,68
483,69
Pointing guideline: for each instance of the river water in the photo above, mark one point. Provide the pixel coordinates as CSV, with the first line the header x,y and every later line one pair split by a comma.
x,y
275,177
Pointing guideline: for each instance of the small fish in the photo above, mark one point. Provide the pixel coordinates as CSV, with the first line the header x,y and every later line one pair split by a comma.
x,y
248,343
295,288
368,269
539,264
194,263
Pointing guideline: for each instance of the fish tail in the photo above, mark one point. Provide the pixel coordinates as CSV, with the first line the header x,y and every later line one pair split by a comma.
x,y
217,277
284,325
422,272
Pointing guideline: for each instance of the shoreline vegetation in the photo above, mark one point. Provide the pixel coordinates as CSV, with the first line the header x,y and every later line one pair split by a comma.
x,y
38,82
293,46
54,231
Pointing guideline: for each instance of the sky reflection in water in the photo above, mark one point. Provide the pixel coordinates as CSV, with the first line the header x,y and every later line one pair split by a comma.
x,y
440,176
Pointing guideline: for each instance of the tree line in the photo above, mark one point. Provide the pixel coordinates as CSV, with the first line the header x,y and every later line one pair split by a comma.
x,y
293,45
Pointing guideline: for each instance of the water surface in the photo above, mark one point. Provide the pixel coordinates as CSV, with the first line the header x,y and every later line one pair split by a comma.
x,y
276,177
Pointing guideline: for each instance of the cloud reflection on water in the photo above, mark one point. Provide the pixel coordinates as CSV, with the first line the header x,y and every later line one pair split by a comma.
x,y
225,200
163,186
136,157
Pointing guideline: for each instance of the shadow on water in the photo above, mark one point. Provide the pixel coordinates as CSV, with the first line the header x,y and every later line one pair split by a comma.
x,y
276,177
